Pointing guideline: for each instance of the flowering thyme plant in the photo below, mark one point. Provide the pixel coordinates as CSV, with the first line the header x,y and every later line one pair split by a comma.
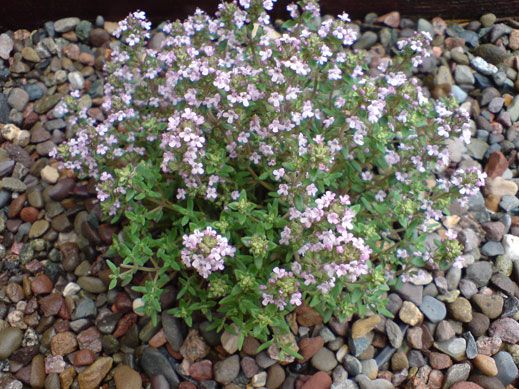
x,y
261,171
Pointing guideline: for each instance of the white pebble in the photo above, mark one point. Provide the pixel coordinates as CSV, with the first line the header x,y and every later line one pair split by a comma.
x,y
137,303
71,289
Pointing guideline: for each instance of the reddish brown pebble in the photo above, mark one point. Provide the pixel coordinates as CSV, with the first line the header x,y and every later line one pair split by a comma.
x,y
440,361
496,165
41,285
16,206
307,316
159,339
64,312
308,347
84,357
122,303
61,325
29,214
201,371
124,324
63,343
319,380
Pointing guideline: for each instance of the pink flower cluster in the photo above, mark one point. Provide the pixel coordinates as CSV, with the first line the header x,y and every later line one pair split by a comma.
x,y
205,251
282,289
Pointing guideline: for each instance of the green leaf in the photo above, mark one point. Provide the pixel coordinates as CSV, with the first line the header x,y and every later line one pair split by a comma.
x,y
384,311
264,346
289,24
258,262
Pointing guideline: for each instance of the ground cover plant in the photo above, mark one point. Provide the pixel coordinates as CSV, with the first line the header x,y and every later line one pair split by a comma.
x,y
259,171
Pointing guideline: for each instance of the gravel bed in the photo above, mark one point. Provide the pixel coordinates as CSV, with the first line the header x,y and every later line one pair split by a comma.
x,y
60,327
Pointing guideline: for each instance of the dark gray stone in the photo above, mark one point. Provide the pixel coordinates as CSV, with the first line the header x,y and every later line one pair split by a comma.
x,y
153,362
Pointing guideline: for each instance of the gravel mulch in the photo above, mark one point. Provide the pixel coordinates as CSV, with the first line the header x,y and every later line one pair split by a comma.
x,y
60,327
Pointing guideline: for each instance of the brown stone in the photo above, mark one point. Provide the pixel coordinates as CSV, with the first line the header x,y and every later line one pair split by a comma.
x,y
37,371
90,339
72,52
250,346
66,378
124,324
41,285
29,214
440,361
391,19
87,59
466,385
16,206
127,378
319,380
159,339
486,365
98,37
201,371
307,316
308,347
496,165
94,374
15,292
194,347
452,42
122,303
514,40
84,357
435,380
63,343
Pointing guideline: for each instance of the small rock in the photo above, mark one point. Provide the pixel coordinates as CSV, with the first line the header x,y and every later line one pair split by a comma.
x,y
486,365
227,370
410,314
127,378
507,370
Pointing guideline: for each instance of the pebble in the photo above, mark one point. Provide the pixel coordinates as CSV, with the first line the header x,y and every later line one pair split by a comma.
x,y
461,310
127,378
486,365
362,326
456,373
63,343
227,370
91,377
319,380
490,305
365,383
154,363
10,340
454,347
410,314
506,329
507,369
433,309
324,360
479,273
41,285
